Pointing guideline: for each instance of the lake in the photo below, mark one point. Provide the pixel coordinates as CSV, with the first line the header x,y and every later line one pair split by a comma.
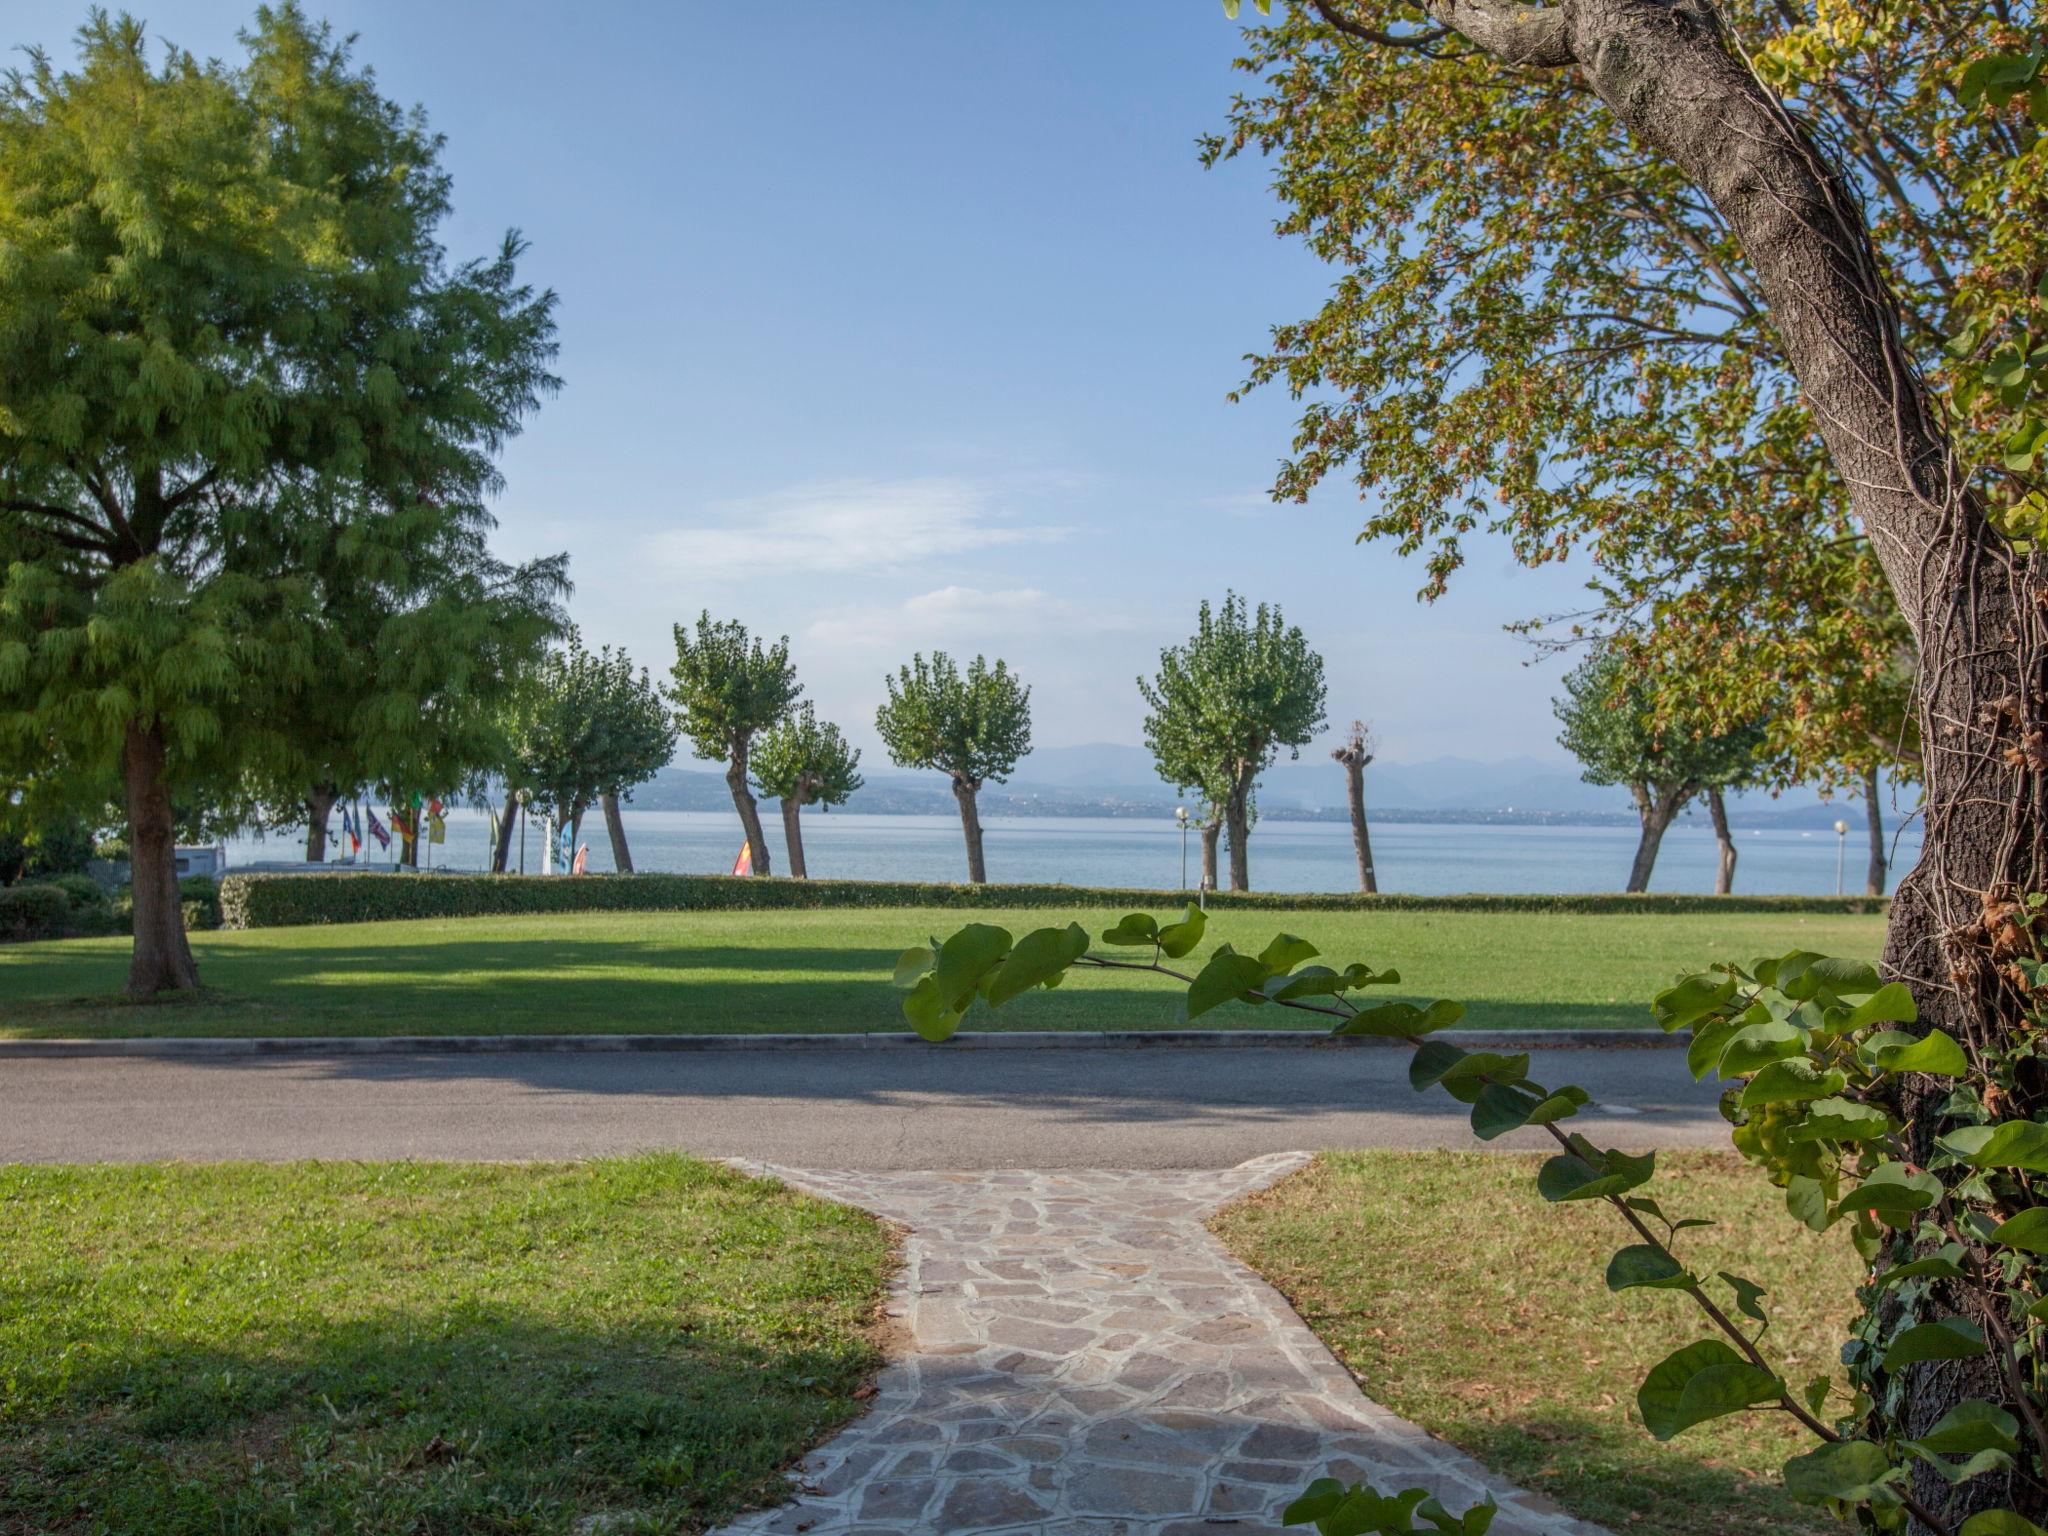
x,y
1419,857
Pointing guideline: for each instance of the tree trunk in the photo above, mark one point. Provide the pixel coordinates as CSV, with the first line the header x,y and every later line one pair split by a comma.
x,y
1354,760
1211,830
1656,805
793,835
622,856
1665,70
1873,879
1237,816
162,958
319,806
964,791
501,856
1724,864
743,802
575,834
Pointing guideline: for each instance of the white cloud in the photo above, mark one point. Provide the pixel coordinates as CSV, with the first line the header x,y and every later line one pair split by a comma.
x,y
841,527
959,617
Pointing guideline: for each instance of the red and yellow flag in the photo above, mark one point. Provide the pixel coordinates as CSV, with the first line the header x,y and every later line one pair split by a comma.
x,y
744,864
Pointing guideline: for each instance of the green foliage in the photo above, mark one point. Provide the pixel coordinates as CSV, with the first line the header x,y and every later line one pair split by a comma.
x,y
280,901
1812,1064
974,725
240,369
729,687
33,912
583,724
1611,727
807,760
1223,705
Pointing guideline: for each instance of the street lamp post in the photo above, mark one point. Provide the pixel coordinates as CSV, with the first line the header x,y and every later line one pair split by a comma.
x,y
521,799
1841,852
1180,815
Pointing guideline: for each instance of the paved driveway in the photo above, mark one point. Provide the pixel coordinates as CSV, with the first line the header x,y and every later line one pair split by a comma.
x,y
827,1108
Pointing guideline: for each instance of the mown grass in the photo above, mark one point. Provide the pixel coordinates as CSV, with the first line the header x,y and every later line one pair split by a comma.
x,y
322,1348
1461,1301
828,971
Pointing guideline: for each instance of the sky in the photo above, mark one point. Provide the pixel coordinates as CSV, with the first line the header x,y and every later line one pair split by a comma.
x,y
902,325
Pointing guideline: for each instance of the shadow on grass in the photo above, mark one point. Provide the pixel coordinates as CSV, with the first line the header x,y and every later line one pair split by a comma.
x,y
471,1419
612,986
1605,1468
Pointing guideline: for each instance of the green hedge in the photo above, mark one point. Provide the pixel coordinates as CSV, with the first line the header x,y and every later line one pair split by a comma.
x,y
33,912
282,901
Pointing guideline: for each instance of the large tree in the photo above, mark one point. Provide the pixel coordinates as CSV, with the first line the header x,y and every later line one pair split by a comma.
x,y
1663,84
1222,706
583,729
972,726
728,689
805,761
221,294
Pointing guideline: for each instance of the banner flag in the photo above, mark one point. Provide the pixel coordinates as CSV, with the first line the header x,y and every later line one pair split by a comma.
x,y
377,829
437,828
744,864
581,866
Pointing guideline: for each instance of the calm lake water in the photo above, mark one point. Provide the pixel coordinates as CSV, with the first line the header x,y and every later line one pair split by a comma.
x,y
1424,858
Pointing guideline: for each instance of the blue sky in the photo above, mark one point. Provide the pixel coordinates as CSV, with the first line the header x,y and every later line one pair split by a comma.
x,y
900,325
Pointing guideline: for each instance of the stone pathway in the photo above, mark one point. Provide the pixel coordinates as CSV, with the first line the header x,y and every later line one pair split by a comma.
x,y
1085,1358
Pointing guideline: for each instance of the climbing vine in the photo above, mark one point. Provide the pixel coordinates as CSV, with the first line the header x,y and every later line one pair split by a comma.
x,y
1818,1060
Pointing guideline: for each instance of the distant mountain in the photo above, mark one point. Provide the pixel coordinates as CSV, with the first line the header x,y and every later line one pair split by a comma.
x,y
1106,779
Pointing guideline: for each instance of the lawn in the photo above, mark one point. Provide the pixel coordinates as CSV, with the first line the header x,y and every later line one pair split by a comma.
x,y
403,1347
1461,1301
828,971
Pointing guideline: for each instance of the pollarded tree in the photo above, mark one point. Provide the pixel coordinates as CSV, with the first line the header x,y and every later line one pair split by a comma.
x,y
805,761
1223,705
1610,728
584,728
1354,756
728,689
222,292
974,727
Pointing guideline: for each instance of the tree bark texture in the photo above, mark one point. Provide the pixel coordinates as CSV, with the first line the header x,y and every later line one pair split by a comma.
x,y
162,958
1873,813
615,827
1212,829
965,791
1668,73
743,802
1237,817
793,836
1656,806
319,806
1724,844
501,855
1354,757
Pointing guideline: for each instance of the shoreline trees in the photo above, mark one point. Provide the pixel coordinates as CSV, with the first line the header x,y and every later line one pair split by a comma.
x,y
972,726
728,689
1223,704
1354,755
804,761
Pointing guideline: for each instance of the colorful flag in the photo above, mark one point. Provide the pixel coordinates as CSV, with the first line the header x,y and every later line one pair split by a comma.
x,y
582,862
348,830
399,824
434,806
437,829
744,864
377,829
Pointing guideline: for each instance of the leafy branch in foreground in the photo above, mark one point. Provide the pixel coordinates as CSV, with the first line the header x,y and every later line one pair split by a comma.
x,y
1814,1058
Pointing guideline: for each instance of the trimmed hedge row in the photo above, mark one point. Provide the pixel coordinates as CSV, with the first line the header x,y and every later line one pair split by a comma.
x,y
75,907
283,901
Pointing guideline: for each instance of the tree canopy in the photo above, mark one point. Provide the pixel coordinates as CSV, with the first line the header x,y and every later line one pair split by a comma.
x,y
223,302
728,688
804,761
973,726
1244,686
583,724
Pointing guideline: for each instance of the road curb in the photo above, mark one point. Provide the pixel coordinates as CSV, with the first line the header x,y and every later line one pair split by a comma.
x,y
210,1047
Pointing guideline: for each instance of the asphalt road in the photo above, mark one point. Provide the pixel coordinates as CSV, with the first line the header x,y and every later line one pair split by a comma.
x,y
1107,1108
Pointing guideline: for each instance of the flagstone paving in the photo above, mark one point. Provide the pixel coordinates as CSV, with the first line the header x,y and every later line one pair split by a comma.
x,y
1083,1357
